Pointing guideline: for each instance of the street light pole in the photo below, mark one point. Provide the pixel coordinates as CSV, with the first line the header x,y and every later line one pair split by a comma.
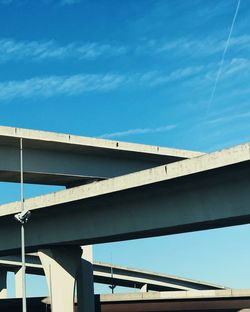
x,y
23,218
23,232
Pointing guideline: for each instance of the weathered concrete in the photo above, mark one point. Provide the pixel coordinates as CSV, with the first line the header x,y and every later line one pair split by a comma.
x,y
61,266
60,159
195,194
122,276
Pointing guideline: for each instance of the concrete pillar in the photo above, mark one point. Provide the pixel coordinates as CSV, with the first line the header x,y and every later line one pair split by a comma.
x,y
85,282
61,265
3,283
18,283
144,288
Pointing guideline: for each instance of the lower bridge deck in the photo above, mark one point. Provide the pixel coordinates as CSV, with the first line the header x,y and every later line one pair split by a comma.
x,y
188,305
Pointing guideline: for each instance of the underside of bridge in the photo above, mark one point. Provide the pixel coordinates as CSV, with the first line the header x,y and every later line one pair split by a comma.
x,y
148,191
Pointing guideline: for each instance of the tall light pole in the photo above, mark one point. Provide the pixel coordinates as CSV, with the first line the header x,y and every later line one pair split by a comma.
x,y
22,217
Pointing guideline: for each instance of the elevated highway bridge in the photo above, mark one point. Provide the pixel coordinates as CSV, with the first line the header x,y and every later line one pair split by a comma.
x,y
69,160
204,192
125,191
117,275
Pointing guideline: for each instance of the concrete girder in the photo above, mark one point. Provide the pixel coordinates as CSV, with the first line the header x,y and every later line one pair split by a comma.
x,y
213,300
59,159
122,276
205,192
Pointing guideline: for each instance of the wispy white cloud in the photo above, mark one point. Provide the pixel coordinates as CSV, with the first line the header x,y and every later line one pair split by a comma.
x,y
158,78
137,131
12,50
228,118
58,85
235,66
232,74
193,46
81,83
78,84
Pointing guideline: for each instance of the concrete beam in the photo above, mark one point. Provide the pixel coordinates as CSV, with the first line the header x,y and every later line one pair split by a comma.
x,y
220,300
136,278
229,304
122,276
177,295
230,300
205,192
60,159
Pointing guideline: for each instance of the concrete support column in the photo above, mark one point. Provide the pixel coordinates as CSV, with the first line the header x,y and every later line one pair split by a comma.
x,y
61,265
3,284
85,282
144,288
18,283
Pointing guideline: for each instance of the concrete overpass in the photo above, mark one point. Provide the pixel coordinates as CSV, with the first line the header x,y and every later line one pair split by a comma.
x,y
205,192
120,276
68,160
213,300
199,301
61,159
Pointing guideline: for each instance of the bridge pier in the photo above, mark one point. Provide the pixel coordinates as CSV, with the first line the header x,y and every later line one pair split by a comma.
x,y
85,282
63,267
60,266
144,288
3,283
18,283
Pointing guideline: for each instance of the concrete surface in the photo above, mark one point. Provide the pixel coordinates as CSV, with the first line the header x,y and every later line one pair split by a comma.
x,y
61,265
122,276
204,192
229,301
62,159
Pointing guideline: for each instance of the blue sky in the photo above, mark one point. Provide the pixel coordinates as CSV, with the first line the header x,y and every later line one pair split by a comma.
x,y
139,71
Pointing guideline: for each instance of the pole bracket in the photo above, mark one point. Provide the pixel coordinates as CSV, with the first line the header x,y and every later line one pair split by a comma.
x,y
23,217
